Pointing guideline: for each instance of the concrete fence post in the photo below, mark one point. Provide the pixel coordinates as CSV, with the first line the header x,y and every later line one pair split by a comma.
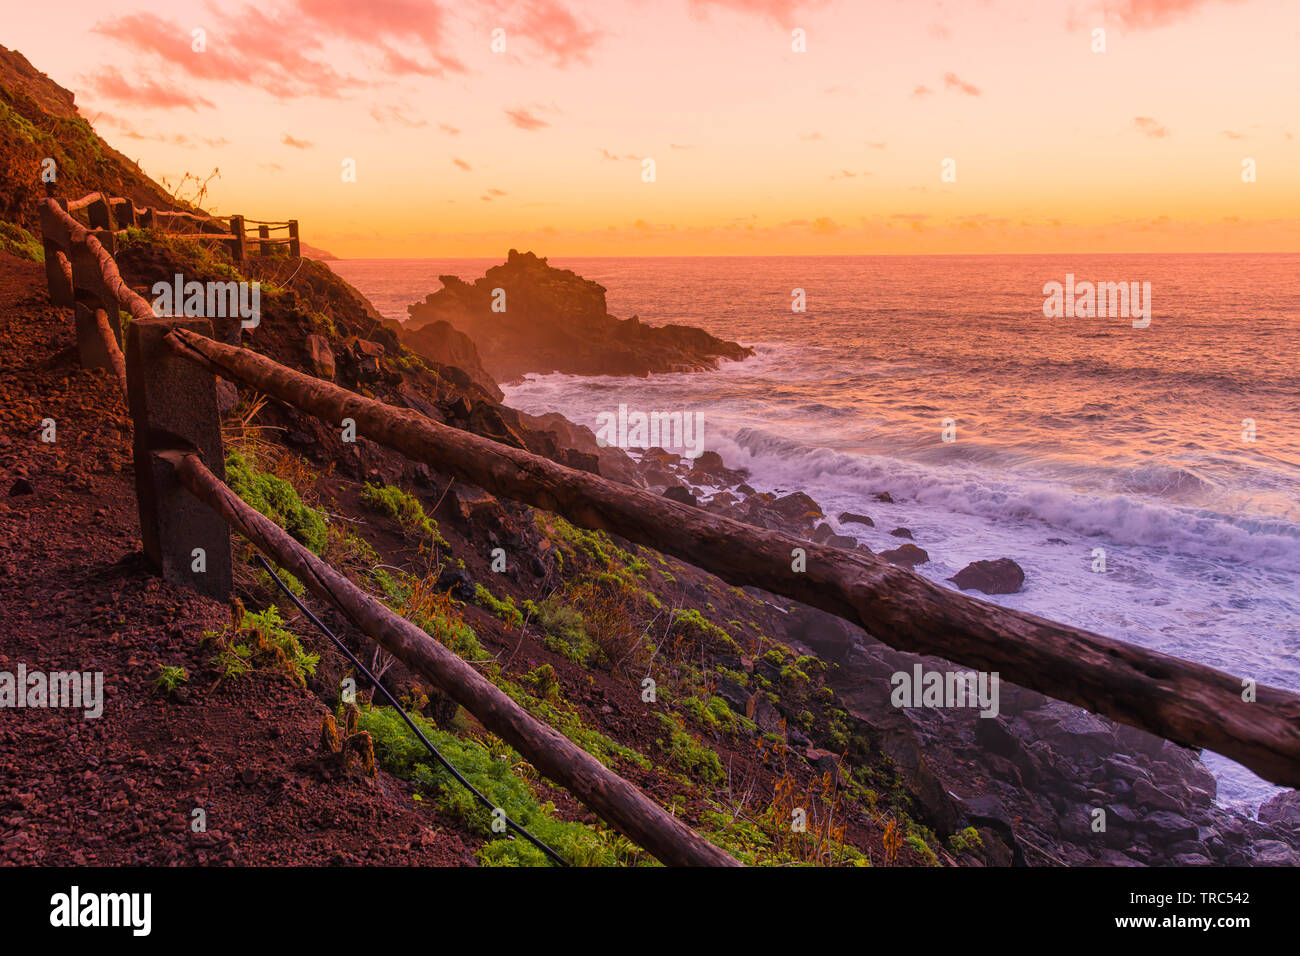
x,y
57,243
91,294
173,406
237,247
123,213
98,214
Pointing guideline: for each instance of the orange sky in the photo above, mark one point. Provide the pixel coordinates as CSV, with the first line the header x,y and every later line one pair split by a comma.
x,y
758,149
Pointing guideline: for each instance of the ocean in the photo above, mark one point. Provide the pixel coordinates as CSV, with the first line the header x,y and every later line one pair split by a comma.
x,y
1167,454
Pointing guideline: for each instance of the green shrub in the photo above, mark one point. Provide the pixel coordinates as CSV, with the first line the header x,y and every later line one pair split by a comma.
x,y
400,752
277,499
405,509
693,758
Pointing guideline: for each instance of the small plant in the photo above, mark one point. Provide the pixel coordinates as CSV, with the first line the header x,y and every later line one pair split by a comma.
x,y
260,641
404,508
168,679
695,759
966,841
503,608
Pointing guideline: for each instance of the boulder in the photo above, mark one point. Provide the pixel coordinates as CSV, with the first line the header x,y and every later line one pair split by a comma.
x,y
1002,576
849,517
680,494
320,357
1283,809
907,556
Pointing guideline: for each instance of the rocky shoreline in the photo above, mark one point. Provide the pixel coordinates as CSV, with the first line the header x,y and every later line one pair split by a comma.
x,y
1038,772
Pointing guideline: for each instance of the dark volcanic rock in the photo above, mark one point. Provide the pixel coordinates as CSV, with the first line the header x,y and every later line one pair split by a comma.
x,y
1002,576
906,555
848,517
680,494
553,320
441,343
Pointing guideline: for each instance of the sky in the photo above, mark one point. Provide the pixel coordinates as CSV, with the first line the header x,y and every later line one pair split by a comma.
x,y
775,127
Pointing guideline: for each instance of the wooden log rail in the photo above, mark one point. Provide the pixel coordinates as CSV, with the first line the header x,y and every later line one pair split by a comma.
x,y
1188,703
116,214
616,800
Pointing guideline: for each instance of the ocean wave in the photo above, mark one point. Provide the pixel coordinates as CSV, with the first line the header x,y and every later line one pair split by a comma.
x,y
1120,519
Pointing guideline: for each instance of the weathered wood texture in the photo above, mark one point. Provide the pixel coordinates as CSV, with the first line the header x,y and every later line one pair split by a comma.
x,y
1185,702
620,803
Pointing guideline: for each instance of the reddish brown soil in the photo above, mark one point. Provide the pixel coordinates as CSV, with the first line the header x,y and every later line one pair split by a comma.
x,y
75,595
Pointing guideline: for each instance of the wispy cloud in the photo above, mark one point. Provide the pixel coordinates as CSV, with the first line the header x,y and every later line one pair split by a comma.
x,y
523,119
462,164
294,142
109,83
951,81
1149,127
1158,13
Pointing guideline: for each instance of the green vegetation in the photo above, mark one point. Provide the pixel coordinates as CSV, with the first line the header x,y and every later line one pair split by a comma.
x,y
168,679
716,714
260,642
501,608
405,509
698,630
419,601
275,498
17,241
400,752
695,759
966,841
564,717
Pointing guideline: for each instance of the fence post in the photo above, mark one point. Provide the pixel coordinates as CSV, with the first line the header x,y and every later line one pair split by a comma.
x,y
295,249
264,248
146,220
237,249
90,294
98,214
58,262
123,213
173,406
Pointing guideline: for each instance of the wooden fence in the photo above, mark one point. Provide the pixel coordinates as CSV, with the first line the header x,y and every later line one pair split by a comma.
x,y
109,215
172,366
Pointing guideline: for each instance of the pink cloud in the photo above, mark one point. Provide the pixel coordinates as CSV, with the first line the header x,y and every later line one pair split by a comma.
x,y
462,164
1149,127
259,50
1147,14
921,90
779,11
111,84
951,81
295,143
523,119
382,23
550,25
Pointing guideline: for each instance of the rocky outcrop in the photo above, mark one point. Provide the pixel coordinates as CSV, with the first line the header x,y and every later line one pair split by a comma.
x,y
441,343
526,316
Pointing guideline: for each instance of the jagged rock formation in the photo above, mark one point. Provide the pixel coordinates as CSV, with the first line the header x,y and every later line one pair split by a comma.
x,y
553,320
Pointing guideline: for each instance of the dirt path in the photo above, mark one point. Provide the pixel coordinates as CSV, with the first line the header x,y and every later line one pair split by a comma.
x,y
76,596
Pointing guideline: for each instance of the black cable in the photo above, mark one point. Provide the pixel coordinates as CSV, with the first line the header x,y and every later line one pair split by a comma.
x,y
555,857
